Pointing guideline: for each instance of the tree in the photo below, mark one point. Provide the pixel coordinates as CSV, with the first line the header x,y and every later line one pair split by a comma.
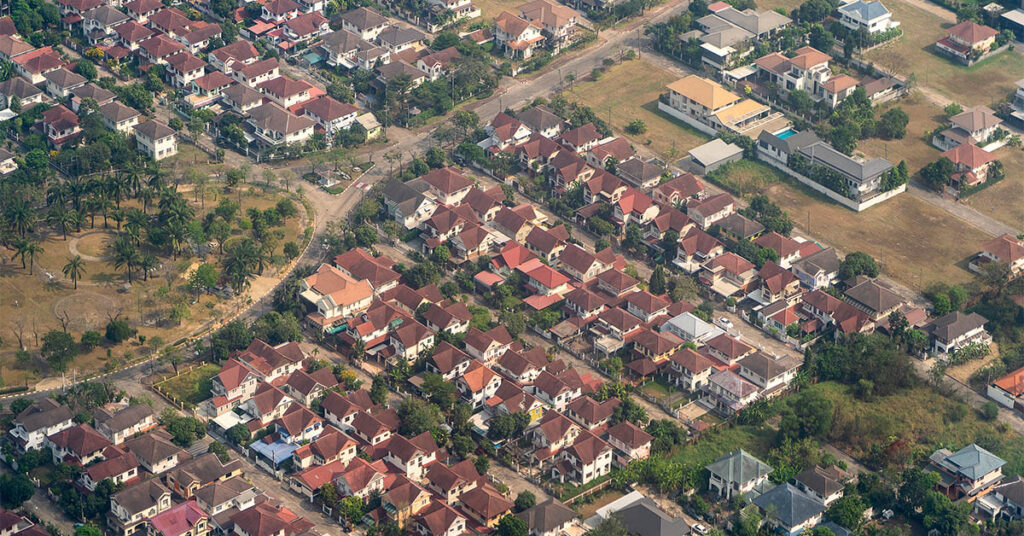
x,y
629,410
808,414
636,127
656,285
801,101
482,464
220,450
940,305
58,349
88,530
514,322
440,255
379,390
74,269
938,173
512,525
417,416
893,124
203,278
952,109
86,68
858,263
17,490
184,430
990,411
91,339
438,390
276,328
848,511
238,434
118,331
526,499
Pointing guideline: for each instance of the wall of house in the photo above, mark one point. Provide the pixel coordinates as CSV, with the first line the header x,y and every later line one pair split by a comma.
x,y
842,200
686,119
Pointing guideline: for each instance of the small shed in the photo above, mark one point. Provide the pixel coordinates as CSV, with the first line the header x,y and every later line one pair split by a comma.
x,y
712,155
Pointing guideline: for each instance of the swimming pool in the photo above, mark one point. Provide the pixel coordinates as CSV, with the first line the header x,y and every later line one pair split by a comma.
x,y
783,134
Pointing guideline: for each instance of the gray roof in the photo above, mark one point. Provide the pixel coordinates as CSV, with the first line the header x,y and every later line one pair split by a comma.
x,y
396,35
768,366
788,145
715,150
739,467
123,419
824,154
637,172
242,95
874,296
1012,490
406,195
43,414
739,225
547,516
539,118
645,518
865,11
64,78
94,92
754,22
343,41
141,496
789,505
826,260
18,87
726,37
363,17
105,15
975,119
117,112
154,130
219,493
836,529
154,447
398,68
955,324
972,461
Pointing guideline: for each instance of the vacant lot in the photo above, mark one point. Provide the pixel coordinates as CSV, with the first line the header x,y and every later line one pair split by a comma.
x,y
490,9
192,386
745,177
917,244
983,83
914,148
630,91
785,5
1004,201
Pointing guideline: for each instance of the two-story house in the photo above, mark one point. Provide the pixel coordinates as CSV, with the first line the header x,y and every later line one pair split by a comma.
x,y
34,424
132,508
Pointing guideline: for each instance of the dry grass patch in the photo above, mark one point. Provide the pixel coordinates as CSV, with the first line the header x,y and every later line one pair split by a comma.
x,y
914,148
630,91
1004,201
917,243
982,83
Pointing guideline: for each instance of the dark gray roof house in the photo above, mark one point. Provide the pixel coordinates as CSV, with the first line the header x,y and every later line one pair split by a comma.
x,y
740,226
787,145
789,507
548,517
734,472
640,173
645,518
955,324
855,171
43,414
540,118
873,298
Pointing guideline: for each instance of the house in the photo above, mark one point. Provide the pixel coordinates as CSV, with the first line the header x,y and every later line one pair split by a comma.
x,y
32,426
546,281
807,70
975,125
439,519
286,91
78,445
395,39
60,126
155,139
789,510
640,173
541,120
504,131
172,22
222,500
787,249
447,185
61,82
548,518
729,33
412,455
279,11
257,72
588,458
158,48
22,89
98,23
183,68
230,57
270,362
872,15
709,107
362,478
830,311
738,473
688,327
956,330
341,410
727,348
330,114
487,346
364,22
485,505
200,37
1007,249
306,27
453,318
335,294
689,369
969,472
967,41
654,346
118,427
517,37
7,162
267,404
614,150
821,483
1004,501
199,472
331,446
730,392
448,361
818,270
360,265
556,391
972,165
155,452
837,88
616,283
349,50
553,433
117,116
141,10
410,340
404,499
298,424
12,46
557,22
712,155
707,212
241,98
873,299
1009,390
630,442
407,203
450,482
118,466
695,248
132,508
770,373
591,414
477,384
728,274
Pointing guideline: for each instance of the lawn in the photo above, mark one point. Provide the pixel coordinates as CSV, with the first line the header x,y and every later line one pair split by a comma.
x,y
785,5
723,440
914,148
920,416
1003,200
982,83
911,239
192,386
657,388
490,9
630,91
745,177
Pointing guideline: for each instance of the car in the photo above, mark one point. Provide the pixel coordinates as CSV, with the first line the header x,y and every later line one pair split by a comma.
x,y
725,322
699,529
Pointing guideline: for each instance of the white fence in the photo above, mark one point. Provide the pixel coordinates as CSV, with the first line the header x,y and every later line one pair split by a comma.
x,y
841,199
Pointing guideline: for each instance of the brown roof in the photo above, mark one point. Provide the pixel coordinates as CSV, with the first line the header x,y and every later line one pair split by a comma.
x,y
448,180
691,360
240,50
1007,248
619,318
730,346
329,109
972,32
161,46
630,434
486,501
588,447
647,302
592,411
782,245
582,135
82,440
363,266
446,357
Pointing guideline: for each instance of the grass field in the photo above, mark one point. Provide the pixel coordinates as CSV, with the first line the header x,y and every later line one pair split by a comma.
x,y
712,444
192,386
630,90
910,238
1004,201
921,416
914,148
786,5
745,177
982,83
490,9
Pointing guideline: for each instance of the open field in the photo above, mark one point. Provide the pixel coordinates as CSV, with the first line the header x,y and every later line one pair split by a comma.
x,y
490,9
921,416
918,152
917,243
785,5
32,304
982,83
1004,201
192,386
745,177
630,90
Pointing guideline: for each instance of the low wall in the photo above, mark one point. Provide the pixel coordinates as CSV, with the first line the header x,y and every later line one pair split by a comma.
x,y
842,200
676,114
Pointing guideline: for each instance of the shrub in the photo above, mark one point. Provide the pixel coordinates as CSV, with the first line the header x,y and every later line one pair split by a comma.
x,y
119,331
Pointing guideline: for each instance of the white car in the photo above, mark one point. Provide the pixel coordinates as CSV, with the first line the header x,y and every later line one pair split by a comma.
x,y
725,322
699,529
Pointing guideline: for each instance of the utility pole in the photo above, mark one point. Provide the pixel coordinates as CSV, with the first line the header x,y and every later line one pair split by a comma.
x,y
638,42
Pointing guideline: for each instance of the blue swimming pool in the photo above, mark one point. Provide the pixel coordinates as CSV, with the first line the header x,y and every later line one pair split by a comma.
x,y
785,133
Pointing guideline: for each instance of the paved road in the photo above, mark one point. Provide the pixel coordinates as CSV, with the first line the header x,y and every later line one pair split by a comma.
x,y
961,211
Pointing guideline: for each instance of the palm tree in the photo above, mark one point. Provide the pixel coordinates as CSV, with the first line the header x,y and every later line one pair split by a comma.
x,y
238,272
124,255
32,249
118,216
117,186
147,263
77,187
147,195
74,269
73,218
135,222
55,217
20,250
104,205
21,217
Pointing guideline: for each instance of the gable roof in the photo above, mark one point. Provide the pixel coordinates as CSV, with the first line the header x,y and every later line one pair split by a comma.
x,y
789,505
704,92
955,324
82,440
972,32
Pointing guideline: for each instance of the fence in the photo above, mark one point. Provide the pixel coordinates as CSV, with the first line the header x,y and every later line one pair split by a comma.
x,y
841,199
